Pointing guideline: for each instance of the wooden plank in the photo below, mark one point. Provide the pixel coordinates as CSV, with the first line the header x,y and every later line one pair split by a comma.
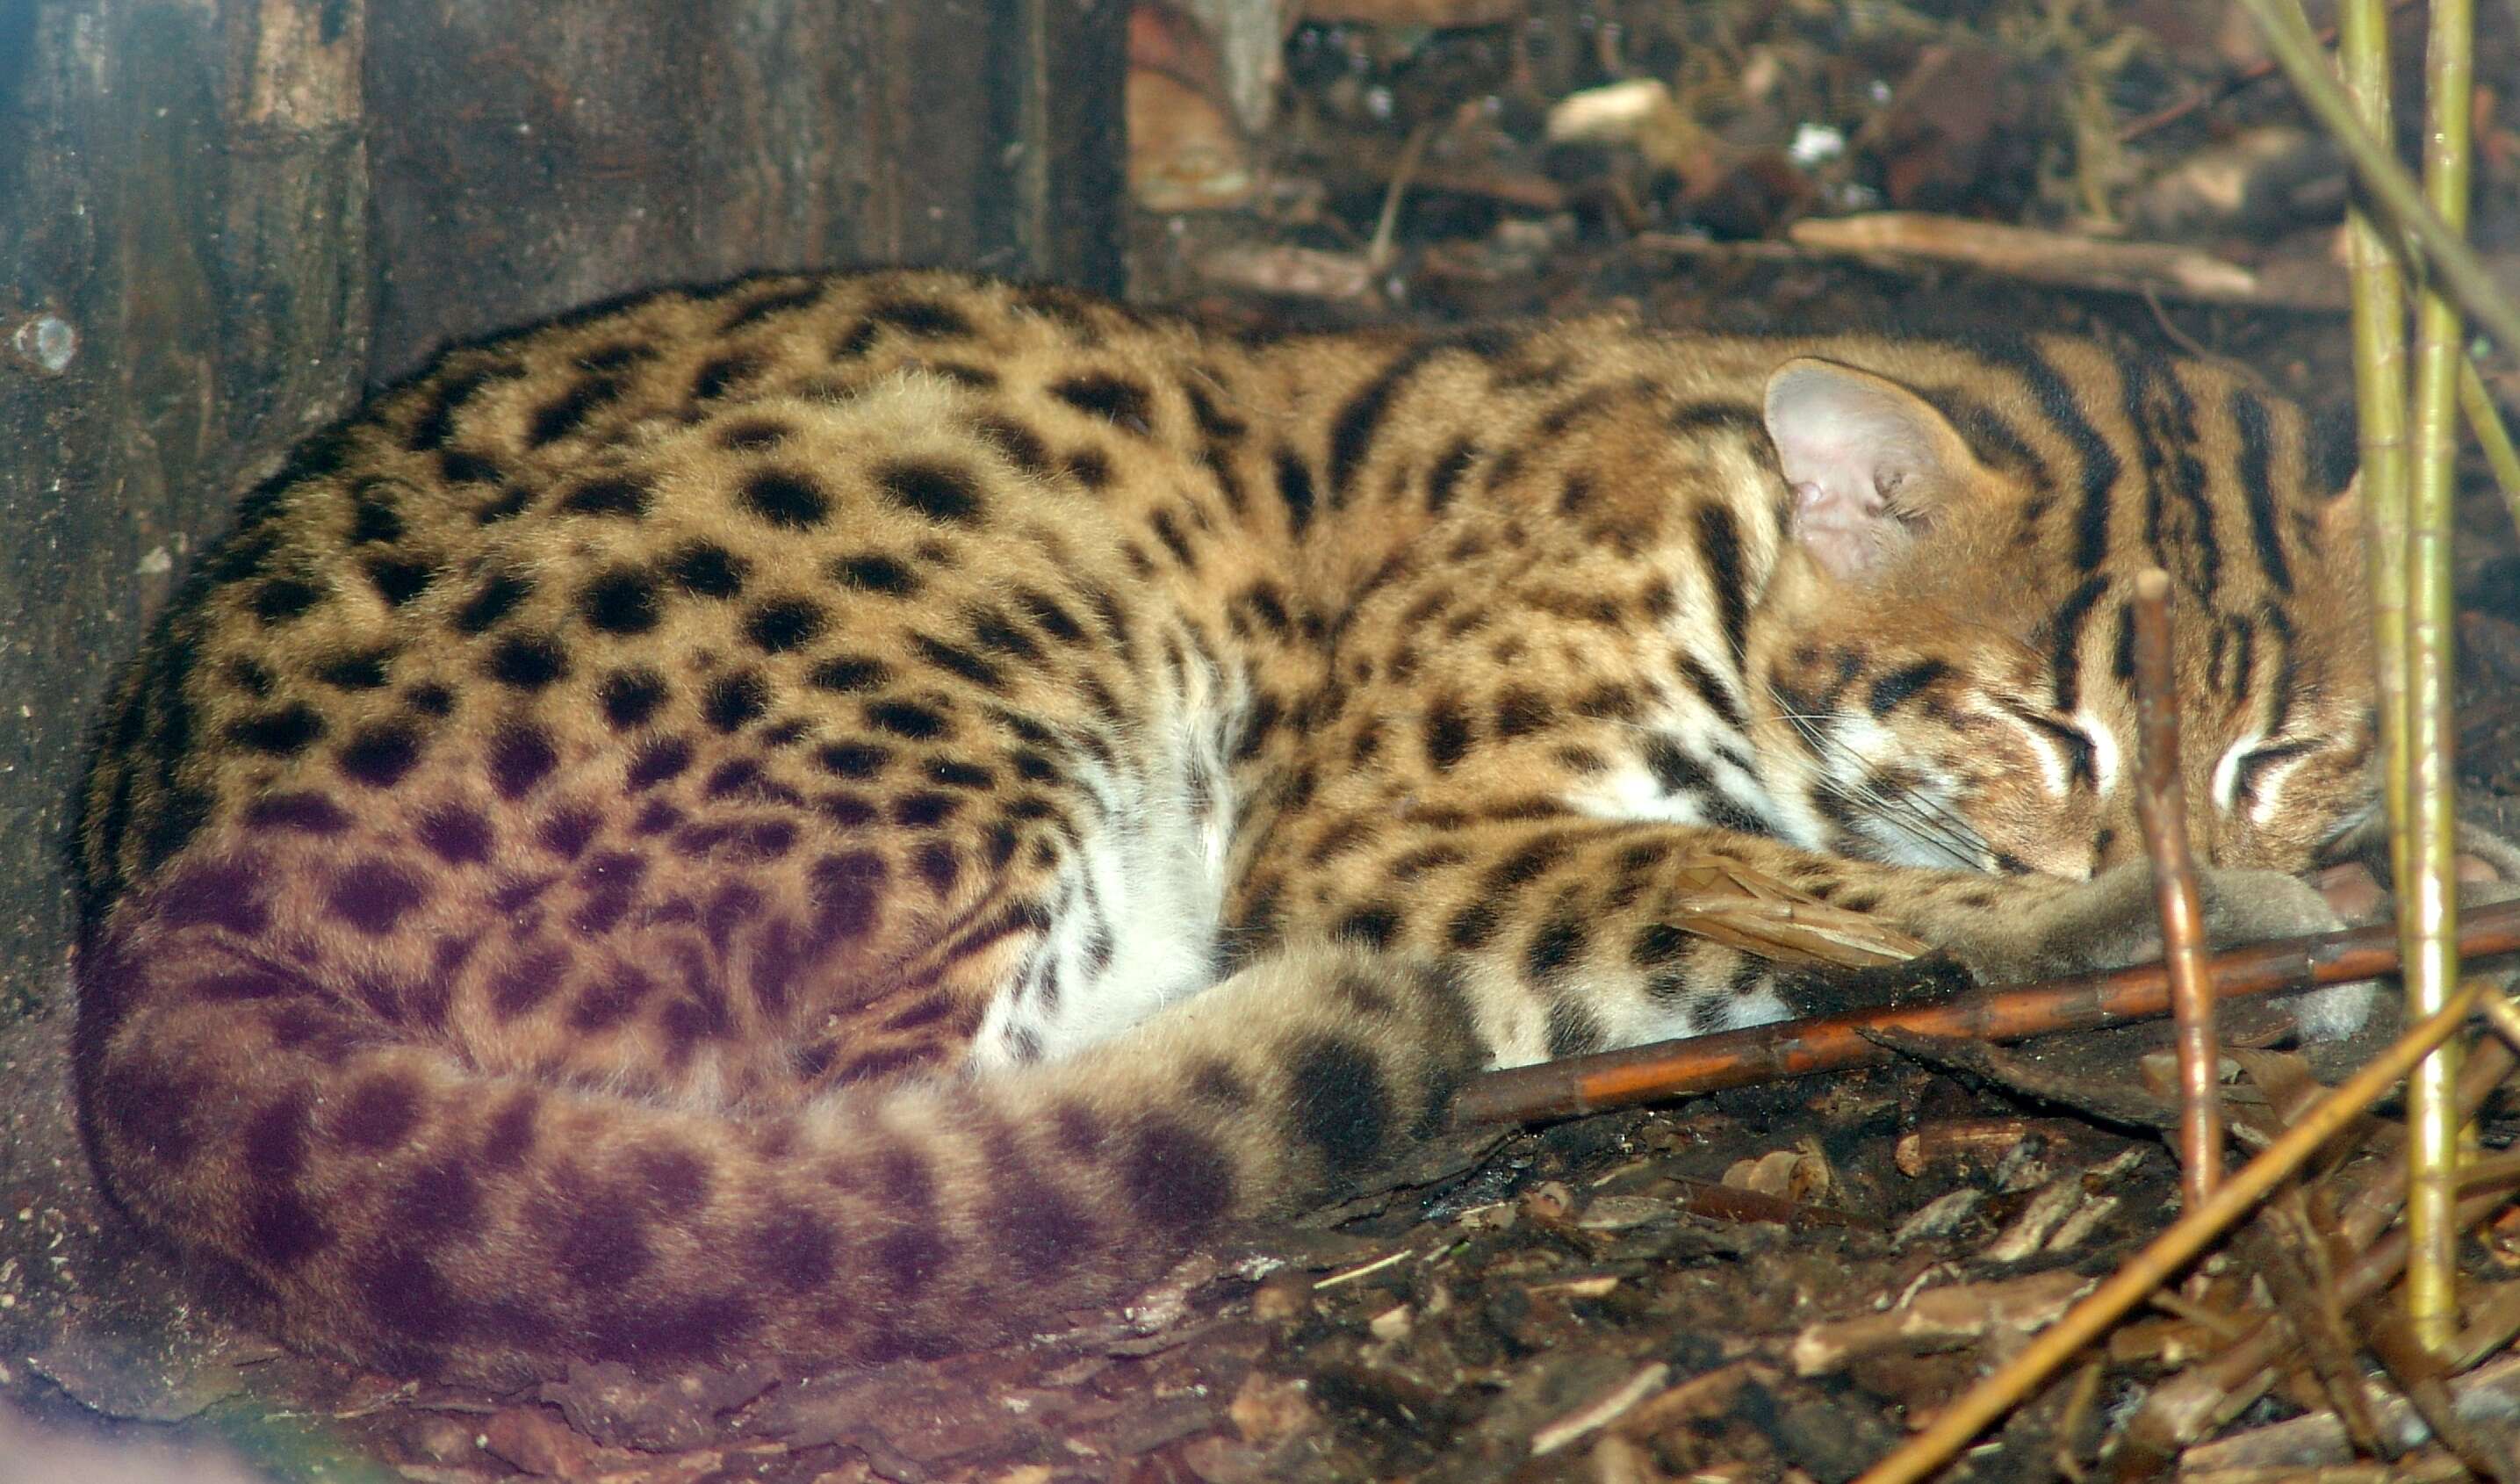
x,y
182,227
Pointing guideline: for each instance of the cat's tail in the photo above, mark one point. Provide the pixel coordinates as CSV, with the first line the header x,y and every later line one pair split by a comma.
x,y
362,1189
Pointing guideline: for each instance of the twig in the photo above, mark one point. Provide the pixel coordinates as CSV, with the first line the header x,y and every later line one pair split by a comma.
x,y
2179,337
2174,1249
2454,263
2427,892
2422,1375
1577,1085
2031,254
2161,802
2506,1021
2289,1251
2314,1449
2491,1322
2182,1409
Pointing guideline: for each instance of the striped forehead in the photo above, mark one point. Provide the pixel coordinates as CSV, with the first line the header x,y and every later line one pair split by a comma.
x,y
2186,463
2242,665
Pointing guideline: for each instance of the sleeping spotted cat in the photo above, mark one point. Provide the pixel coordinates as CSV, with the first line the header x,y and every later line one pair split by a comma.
x,y
834,817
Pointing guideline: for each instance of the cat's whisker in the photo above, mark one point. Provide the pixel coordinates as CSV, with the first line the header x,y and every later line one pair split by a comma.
x,y
1928,822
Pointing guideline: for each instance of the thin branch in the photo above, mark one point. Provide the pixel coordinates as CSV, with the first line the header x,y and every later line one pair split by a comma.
x,y
2161,804
2213,93
1387,227
1576,1085
2184,1406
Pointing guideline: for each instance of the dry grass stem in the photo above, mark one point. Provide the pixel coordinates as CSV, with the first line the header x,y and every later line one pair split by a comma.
x,y
2167,1254
2485,420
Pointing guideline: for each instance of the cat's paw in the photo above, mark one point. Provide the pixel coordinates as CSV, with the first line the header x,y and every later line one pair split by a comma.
x,y
2489,872
2113,921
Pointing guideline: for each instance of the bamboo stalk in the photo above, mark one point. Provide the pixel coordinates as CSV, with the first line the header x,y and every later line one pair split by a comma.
x,y
2294,49
2380,395
2428,896
1576,1085
2161,804
2380,391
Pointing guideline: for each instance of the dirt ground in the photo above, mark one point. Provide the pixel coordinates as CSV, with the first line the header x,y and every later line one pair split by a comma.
x,y
1773,1282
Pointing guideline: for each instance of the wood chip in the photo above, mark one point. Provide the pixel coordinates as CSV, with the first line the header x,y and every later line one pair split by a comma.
x,y
1939,1217
2026,1235
2486,1396
1600,1413
1939,1319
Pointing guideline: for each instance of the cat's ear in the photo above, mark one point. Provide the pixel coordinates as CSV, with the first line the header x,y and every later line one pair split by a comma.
x,y
1867,461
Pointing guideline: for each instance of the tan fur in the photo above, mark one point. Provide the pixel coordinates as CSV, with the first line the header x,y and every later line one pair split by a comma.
x,y
606,858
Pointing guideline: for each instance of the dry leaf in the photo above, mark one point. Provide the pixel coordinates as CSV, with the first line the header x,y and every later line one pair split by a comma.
x,y
1729,903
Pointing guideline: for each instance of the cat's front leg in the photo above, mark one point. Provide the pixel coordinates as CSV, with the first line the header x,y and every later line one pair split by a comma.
x,y
1574,934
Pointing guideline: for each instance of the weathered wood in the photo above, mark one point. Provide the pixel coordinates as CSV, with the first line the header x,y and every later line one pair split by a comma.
x,y
221,221
183,222
532,157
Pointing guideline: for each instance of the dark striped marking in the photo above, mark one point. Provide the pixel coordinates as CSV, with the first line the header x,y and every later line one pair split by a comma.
x,y
779,302
1295,490
941,492
563,414
2065,640
1116,400
873,572
2257,485
1719,541
2101,462
497,599
1887,693
624,495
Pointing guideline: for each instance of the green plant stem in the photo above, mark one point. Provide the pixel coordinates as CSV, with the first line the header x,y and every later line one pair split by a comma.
x,y
2485,420
2428,898
2381,393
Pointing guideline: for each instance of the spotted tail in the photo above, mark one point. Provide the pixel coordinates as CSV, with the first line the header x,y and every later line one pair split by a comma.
x,y
373,1196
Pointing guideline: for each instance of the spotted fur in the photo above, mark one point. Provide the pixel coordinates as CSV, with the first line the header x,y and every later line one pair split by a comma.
x,y
830,817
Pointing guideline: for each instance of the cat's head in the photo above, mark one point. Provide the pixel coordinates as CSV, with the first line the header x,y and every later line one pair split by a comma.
x,y
1953,652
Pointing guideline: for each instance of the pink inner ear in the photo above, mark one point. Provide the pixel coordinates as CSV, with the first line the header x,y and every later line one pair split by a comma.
x,y
1844,441
1839,525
